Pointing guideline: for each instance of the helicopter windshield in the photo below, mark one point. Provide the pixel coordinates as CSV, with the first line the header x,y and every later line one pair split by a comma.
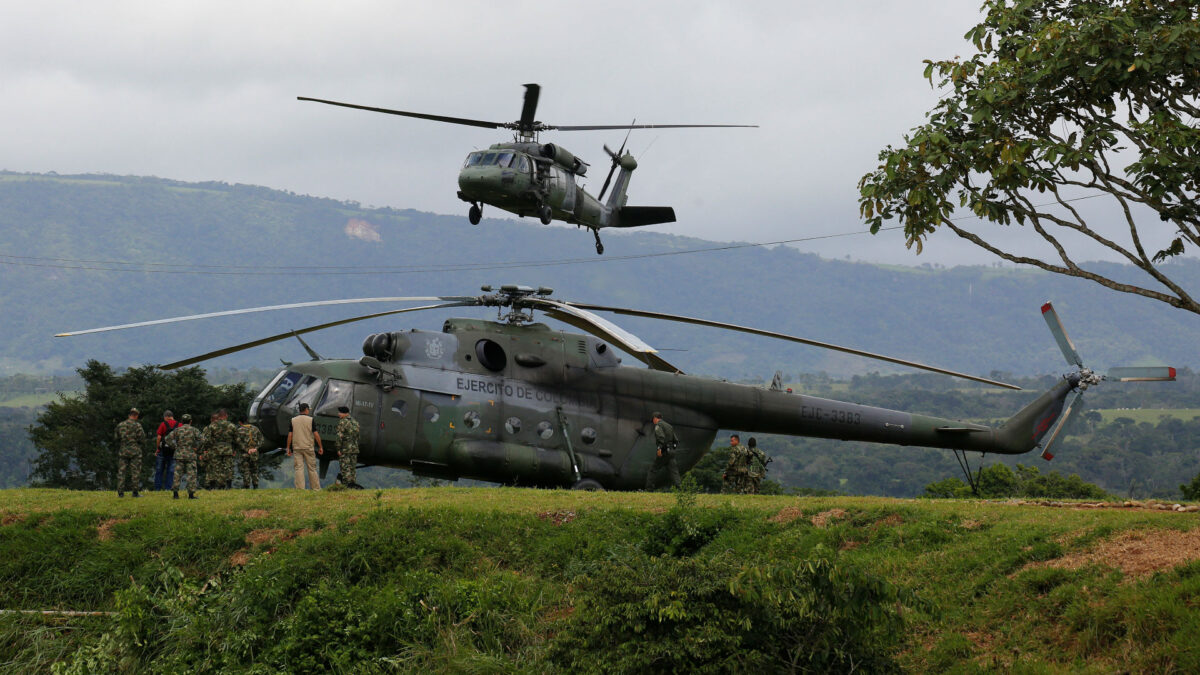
x,y
473,159
289,389
504,159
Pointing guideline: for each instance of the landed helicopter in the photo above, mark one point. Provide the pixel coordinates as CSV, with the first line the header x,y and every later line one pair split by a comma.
x,y
528,178
513,401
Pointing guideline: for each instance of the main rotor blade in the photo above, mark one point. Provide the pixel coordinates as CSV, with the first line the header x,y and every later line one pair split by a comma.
x,y
267,308
425,116
601,327
1060,335
790,338
532,91
1141,373
601,127
297,333
1068,413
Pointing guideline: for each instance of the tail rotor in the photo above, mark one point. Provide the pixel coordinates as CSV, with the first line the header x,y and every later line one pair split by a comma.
x,y
1085,377
616,160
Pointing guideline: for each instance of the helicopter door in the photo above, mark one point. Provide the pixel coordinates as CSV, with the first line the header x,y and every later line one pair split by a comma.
x,y
569,190
393,426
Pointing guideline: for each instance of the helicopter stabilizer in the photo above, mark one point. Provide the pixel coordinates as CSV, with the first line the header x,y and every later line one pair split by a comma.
x,y
637,216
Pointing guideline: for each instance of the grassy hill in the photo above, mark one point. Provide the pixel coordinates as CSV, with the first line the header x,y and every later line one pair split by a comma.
x,y
85,251
510,580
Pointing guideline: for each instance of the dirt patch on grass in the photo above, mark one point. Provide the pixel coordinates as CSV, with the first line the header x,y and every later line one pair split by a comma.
x,y
1136,554
105,529
970,524
786,515
12,519
560,517
239,559
255,513
823,518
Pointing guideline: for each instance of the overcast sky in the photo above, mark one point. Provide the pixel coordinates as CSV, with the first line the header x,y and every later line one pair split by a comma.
x,y
207,91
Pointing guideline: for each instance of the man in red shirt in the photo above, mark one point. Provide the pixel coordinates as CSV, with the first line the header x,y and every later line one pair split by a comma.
x,y
164,456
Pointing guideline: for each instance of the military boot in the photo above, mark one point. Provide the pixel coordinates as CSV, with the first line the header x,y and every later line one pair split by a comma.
x,y
175,494
191,495
135,493
120,493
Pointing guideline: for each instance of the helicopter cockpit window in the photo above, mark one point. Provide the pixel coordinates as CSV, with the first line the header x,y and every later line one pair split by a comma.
x,y
305,392
489,158
522,164
473,159
504,159
277,392
338,393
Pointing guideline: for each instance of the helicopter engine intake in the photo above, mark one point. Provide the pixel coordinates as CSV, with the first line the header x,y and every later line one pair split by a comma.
x,y
564,159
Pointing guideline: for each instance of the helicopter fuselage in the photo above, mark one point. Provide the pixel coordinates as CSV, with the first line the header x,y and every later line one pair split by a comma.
x,y
526,405
522,178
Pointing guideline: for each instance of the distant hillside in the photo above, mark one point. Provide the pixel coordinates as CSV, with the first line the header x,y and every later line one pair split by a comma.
x,y
62,235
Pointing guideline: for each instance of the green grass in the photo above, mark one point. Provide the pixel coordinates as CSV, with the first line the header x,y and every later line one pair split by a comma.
x,y
1150,415
514,580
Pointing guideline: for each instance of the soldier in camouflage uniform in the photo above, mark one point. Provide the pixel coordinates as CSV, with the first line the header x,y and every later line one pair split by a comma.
x,y
249,440
205,460
186,440
665,442
737,471
221,435
347,435
756,467
130,437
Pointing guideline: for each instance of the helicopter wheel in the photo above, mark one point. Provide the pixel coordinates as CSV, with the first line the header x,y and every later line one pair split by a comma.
x,y
545,214
588,485
475,214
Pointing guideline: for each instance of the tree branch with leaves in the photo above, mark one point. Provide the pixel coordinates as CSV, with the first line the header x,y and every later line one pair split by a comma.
x,y
1065,100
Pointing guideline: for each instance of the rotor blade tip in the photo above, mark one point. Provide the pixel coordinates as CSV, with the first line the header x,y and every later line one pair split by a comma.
x,y
1171,372
1046,308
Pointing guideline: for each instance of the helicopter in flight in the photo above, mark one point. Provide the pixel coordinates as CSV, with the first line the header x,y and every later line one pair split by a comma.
x,y
529,178
513,401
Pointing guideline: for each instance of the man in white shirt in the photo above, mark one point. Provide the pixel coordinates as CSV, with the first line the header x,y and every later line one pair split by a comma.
x,y
302,438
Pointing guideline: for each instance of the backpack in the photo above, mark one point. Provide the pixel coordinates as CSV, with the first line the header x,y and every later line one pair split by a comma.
x,y
167,446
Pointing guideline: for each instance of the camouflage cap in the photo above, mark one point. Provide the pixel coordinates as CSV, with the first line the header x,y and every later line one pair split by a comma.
x,y
134,411
186,417
656,414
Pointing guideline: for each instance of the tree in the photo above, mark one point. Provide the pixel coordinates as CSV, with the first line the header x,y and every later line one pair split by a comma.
x,y
1059,95
74,435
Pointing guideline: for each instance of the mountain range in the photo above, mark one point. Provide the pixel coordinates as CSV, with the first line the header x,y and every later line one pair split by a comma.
x,y
91,250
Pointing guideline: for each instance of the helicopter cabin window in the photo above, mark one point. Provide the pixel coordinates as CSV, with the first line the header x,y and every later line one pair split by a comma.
x,y
274,394
400,407
545,430
473,159
504,159
338,393
488,158
522,164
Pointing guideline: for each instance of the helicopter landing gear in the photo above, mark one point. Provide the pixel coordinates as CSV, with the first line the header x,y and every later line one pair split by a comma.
x,y
545,214
588,485
599,246
475,214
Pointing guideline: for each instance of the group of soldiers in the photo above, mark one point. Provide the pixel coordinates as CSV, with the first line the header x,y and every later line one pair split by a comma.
x,y
212,451
746,469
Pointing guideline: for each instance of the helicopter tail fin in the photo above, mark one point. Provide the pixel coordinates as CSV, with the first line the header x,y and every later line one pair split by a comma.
x,y
636,216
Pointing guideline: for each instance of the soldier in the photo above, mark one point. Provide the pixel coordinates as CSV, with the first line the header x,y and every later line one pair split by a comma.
x,y
738,467
756,467
185,438
347,435
206,462
665,442
249,440
130,436
221,435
